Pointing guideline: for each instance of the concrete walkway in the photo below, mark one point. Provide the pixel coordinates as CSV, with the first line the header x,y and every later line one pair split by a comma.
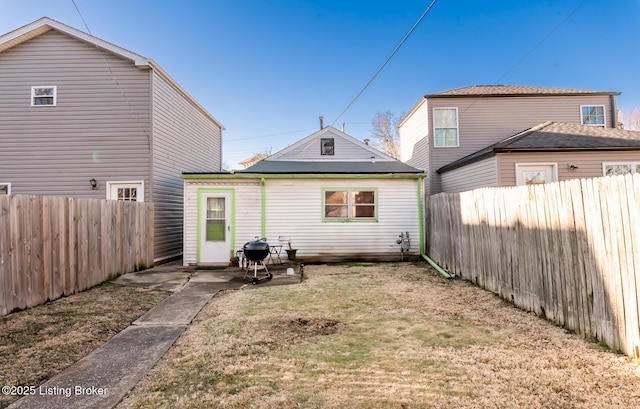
x,y
102,378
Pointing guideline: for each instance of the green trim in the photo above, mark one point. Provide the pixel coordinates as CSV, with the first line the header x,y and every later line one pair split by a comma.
x,y
263,224
305,176
420,217
349,189
205,190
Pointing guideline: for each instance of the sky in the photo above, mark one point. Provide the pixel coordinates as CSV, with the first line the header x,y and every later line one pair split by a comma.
x,y
268,69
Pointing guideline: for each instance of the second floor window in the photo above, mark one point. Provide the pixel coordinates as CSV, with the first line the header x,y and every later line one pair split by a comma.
x,y
43,96
592,115
445,127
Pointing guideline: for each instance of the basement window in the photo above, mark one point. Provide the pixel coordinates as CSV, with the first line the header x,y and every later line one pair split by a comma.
x,y
5,188
327,146
43,96
349,205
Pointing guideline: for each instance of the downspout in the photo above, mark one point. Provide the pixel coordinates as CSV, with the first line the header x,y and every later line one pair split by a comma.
x,y
263,227
614,112
421,231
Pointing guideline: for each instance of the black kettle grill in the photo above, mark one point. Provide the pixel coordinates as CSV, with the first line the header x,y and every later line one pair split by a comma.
x,y
256,251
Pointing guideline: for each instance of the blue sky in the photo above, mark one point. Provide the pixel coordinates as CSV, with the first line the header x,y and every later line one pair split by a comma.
x,y
268,69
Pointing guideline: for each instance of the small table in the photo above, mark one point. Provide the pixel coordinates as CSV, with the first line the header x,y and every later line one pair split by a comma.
x,y
275,251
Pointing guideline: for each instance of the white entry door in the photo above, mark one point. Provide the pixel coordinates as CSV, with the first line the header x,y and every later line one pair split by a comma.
x,y
215,228
535,174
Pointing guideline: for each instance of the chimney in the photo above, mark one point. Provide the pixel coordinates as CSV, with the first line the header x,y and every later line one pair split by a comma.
x,y
321,122
343,127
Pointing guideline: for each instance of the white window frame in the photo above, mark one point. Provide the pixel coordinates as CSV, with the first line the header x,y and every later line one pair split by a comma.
x,y
433,119
124,184
350,205
554,172
604,115
635,166
33,96
8,185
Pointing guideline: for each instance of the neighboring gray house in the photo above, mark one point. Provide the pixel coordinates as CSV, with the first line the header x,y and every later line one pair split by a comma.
x,y
81,117
447,126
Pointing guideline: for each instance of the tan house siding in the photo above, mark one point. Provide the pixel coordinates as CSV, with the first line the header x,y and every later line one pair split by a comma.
x,y
589,163
485,121
98,129
185,139
479,174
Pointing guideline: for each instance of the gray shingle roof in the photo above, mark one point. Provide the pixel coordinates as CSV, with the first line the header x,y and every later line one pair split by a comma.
x,y
329,167
554,137
513,90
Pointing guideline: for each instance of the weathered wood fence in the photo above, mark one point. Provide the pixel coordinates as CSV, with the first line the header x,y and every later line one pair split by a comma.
x,y
568,251
55,246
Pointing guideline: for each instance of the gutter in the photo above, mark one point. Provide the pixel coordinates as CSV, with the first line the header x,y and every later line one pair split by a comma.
x,y
421,232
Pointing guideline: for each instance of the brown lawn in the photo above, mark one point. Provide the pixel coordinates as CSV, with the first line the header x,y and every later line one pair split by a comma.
x,y
381,336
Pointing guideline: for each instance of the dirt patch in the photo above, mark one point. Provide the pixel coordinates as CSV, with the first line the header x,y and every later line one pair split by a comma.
x,y
38,343
381,336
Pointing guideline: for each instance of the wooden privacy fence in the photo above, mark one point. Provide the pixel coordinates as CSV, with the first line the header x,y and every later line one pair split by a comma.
x,y
55,246
568,251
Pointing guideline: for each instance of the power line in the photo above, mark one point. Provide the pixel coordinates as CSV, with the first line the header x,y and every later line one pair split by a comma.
x,y
539,43
266,136
386,61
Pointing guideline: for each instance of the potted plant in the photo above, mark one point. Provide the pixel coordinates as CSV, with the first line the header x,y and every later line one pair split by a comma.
x,y
291,252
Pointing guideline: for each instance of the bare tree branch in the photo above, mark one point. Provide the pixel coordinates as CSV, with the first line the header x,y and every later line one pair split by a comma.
x,y
630,119
385,132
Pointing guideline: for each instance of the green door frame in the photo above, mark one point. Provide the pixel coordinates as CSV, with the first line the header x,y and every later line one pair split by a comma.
x,y
205,190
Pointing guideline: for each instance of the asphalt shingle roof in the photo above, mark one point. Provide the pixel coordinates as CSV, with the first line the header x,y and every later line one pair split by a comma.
x,y
556,136
513,90
329,167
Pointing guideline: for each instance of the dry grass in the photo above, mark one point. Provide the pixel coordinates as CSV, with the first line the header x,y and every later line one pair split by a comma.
x,y
37,343
381,336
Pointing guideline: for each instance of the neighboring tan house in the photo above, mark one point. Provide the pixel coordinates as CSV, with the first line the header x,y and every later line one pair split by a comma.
x,y
549,152
447,126
334,196
81,117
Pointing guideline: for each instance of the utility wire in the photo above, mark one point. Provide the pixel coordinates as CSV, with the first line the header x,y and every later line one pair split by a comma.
x,y
386,61
539,43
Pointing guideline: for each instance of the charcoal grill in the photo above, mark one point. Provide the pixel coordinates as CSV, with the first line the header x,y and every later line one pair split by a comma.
x,y
256,252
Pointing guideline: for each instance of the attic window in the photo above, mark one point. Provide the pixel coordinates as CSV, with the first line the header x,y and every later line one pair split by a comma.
x,y
326,146
43,96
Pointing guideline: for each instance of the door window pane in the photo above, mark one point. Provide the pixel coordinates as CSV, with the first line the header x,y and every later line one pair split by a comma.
x,y
216,219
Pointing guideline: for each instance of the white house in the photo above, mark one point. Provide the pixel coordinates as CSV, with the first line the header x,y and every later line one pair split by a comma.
x,y
335,197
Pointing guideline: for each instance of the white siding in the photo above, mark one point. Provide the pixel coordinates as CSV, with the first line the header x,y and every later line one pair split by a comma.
x,y
413,134
294,209
248,212
346,148
483,173
185,139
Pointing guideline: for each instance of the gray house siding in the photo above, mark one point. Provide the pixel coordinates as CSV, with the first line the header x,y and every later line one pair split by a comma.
x,y
98,129
185,139
476,175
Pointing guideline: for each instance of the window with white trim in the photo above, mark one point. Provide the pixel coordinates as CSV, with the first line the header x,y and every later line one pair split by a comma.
x,y
43,96
126,191
592,115
5,188
350,204
620,168
445,127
